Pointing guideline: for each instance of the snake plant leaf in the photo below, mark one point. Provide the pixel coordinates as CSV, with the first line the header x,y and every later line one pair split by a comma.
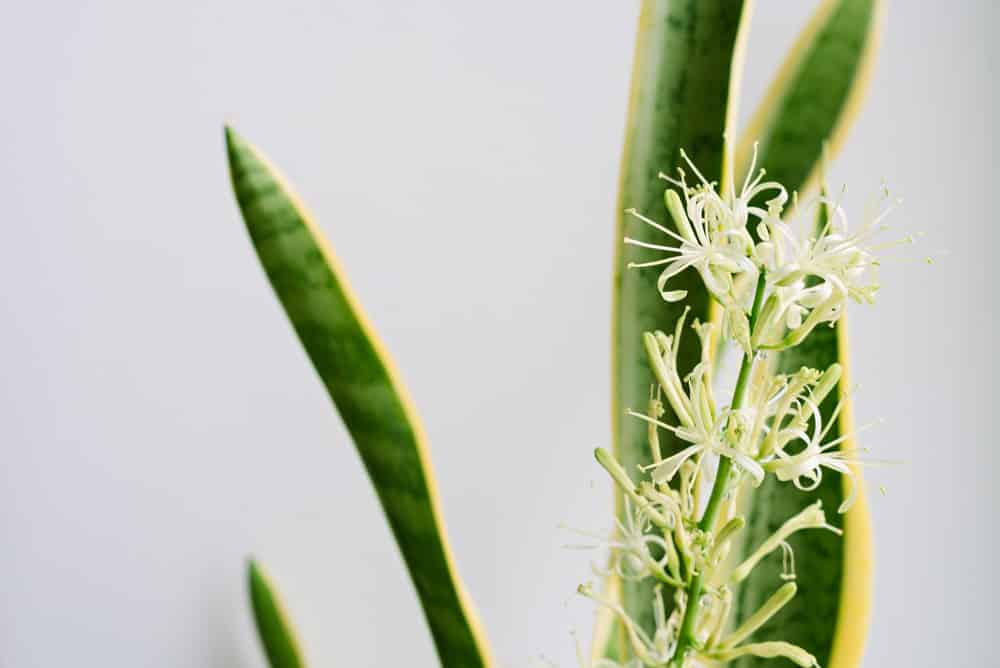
x,y
273,628
684,81
816,94
807,111
829,616
365,387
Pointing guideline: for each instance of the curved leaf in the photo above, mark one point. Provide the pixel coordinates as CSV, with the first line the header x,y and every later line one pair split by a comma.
x,y
816,94
835,582
834,572
854,613
273,628
684,81
809,107
366,390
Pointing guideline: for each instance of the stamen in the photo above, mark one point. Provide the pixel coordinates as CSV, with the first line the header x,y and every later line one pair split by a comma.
x,y
671,180
905,241
645,244
753,163
704,181
652,263
653,223
650,420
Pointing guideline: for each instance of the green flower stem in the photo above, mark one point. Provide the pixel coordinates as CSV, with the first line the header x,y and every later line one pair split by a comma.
x,y
686,636
725,464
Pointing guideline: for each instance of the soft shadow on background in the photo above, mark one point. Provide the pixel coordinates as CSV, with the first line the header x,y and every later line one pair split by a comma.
x,y
159,421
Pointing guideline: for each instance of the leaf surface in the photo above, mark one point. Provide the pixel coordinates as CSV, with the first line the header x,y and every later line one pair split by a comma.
x,y
816,94
809,108
684,81
829,616
365,387
276,633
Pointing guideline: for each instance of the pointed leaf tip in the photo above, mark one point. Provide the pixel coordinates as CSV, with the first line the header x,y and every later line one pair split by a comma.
x,y
273,626
230,133
236,145
253,571
363,384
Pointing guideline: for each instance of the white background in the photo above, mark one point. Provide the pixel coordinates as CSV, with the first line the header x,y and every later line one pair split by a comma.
x,y
159,421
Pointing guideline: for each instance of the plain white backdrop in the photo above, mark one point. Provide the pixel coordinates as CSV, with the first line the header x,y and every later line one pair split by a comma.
x,y
159,421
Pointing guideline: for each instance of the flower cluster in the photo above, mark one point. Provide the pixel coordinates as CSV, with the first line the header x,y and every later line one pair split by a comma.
x,y
810,273
776,281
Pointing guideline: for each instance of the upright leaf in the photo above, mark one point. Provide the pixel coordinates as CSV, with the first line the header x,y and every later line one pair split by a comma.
x,y
811,104
276,633
829,616
684,79
366,390
816,94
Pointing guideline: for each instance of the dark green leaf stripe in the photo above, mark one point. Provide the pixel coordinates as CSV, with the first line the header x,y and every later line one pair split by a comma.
x,y
816,93
681,99
364,386
273,628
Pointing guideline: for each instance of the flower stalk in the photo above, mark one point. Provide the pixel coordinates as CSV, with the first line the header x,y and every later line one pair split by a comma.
x,y
774,287
721,482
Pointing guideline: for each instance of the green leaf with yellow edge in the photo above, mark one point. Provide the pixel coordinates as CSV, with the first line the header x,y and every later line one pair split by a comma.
x,y
276,633
829,616
816,94
684,82
807,110
365,387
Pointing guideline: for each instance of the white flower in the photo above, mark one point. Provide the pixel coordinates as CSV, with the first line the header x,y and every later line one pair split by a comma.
x,y
632,548
805,468
705,439
700,423
753,185
711,255
835,256
712,235
813,277
651,651
792,311
785,403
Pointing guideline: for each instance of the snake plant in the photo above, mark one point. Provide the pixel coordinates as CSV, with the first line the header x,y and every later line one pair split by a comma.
x,y
731,545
